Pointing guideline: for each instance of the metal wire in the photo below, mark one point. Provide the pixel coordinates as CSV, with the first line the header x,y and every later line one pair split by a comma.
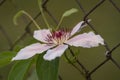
x,y
85,72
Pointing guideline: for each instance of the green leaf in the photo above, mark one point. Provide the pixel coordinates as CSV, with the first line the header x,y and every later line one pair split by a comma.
x,y
47,70
19,70
65,14
5,58
33,75
69,12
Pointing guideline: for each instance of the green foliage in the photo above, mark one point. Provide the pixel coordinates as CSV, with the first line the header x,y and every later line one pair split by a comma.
x,y
40,3
19,70
69,12
47,70
16,16
43,16
33,75
5,58
24,12
65,14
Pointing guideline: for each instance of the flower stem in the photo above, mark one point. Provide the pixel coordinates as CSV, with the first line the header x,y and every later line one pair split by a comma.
x,y
31,19
43,16
59,23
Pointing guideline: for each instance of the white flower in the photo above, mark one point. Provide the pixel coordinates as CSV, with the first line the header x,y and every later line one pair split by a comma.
x,y
56,42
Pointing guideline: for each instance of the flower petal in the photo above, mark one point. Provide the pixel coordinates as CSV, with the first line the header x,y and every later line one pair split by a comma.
x,y
86,40
79,26
41,35
55,52
31,50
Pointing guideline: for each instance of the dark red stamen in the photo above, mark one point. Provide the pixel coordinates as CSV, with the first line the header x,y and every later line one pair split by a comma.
x,y
57,36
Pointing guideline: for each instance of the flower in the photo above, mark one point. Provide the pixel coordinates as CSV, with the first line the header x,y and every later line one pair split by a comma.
x,y
56,42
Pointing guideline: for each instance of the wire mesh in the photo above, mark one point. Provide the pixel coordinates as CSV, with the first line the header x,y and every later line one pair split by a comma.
x,y
87,74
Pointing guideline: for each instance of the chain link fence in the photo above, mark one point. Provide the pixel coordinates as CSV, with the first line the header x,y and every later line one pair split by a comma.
x,y
87,74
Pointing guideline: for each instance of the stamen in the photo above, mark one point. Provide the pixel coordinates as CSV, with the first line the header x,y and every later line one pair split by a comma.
x,y
58,37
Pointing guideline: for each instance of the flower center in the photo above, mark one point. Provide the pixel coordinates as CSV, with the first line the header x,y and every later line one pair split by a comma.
x,y
58,37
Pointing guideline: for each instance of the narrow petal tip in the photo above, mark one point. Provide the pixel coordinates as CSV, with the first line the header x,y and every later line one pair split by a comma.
x,y
12,59
79,26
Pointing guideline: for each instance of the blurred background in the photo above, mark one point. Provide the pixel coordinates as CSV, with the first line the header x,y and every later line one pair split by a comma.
x,y
105,19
